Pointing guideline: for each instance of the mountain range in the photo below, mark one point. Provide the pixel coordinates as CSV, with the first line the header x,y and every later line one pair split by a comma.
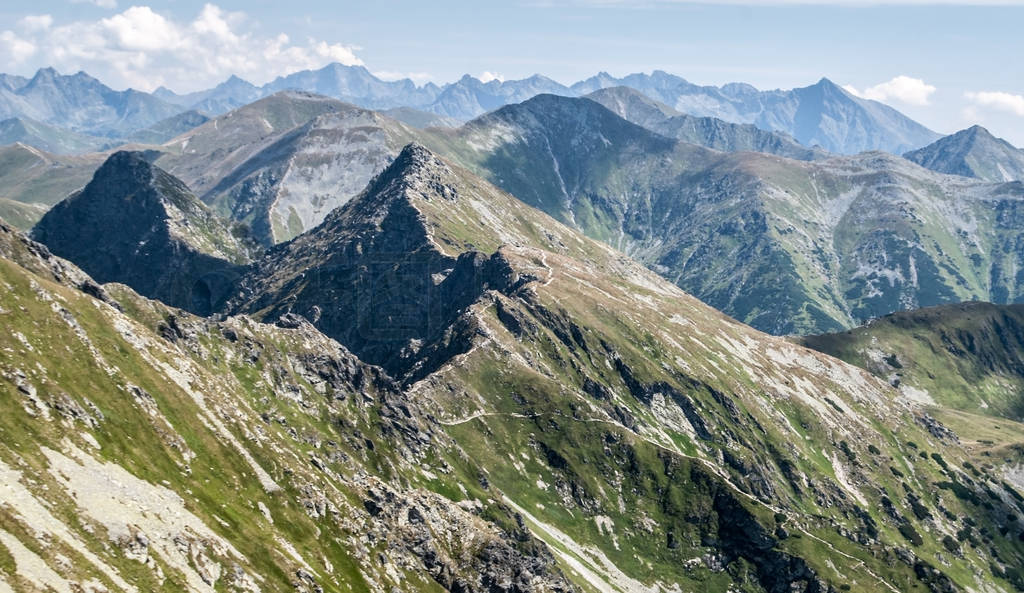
x,y
787,246
441,388
821,115
80,103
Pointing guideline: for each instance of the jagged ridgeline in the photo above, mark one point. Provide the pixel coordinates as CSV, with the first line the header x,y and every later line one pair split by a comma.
x,y
450,390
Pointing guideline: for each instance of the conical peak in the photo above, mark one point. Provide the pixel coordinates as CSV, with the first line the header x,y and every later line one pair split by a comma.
x,y
415,154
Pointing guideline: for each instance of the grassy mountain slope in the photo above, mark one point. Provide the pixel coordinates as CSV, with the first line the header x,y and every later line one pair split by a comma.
x,y
46,137
967,356
648,440
32,180
148,450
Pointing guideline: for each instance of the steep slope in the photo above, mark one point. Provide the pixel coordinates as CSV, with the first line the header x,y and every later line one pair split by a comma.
x,y
634,106
32,180
81,103
786,246
973,152
651,442
136,224
148,450
822,114
46,137
282,163
968,356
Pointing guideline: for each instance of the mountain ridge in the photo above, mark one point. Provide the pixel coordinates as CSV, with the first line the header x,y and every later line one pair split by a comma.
x,y
821,114
835,250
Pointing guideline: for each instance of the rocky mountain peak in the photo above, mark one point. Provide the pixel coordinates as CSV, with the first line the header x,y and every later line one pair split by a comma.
x,y
136,224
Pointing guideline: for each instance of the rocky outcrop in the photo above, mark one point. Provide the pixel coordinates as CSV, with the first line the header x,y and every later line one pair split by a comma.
x,y
136,224
402,294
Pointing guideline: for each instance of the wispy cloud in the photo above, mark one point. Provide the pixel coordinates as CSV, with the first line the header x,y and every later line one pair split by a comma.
x,y
912,91
143,48
997,100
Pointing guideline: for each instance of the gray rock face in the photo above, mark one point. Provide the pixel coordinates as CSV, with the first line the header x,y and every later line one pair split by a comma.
x,y
401,295
282,163
135,224
973,152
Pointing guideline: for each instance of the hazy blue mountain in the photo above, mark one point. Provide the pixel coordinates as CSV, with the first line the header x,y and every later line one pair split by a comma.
x,y
421,119
230,94
636,107
12,81
47,137
355,84
822,114
470,97
169,128
973,152
83,104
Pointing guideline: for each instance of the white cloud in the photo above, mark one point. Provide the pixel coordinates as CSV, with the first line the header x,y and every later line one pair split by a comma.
x,y
489,76
142,48
997,100
139,28
17,49
36,22
912,91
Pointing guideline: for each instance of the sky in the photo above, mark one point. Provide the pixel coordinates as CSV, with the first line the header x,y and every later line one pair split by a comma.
x,y
946,63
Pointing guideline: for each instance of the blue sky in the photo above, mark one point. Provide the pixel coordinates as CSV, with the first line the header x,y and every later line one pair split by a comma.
x,y
946,64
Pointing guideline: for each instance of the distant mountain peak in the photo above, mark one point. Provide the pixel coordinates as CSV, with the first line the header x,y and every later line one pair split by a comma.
x,y
972,152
